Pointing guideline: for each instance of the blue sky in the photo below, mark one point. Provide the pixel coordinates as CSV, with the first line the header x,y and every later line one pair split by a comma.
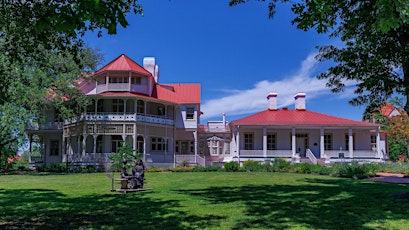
x,y
237,54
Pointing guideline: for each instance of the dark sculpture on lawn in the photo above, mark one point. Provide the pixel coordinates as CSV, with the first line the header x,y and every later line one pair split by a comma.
x,y
124,172
138,175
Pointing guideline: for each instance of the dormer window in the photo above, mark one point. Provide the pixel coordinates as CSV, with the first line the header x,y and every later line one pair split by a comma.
x,y
190,113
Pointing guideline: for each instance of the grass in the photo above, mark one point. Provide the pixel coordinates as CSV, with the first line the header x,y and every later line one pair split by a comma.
x,y
209,200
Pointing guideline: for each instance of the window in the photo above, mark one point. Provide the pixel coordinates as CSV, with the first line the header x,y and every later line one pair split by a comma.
x,y
271,141
248,141
192,147
328,141
136,80
140,107
227,147
118,79
54,147
347,141
158,144
99,144
116,143
100,106
117,106
190,113
373,142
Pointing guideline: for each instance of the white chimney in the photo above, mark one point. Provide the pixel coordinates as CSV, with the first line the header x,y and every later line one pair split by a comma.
x,y
300,101
149,64
272,101
224,119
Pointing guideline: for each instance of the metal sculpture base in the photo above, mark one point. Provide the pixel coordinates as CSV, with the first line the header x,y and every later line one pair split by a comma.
x,y
128,190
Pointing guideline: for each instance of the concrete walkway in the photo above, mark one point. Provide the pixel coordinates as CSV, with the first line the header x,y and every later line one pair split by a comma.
x,y
390,178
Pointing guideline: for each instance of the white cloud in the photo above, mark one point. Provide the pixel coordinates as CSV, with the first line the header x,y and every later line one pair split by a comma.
x,y
252,100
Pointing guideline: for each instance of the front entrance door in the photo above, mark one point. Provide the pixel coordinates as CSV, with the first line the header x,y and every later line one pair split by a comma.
x,y
301,144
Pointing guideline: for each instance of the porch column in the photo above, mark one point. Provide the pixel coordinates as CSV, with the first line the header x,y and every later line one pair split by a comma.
x,y
95,143
79,144
238,144
30,137
195,145
84,144
96,106
351,143
378,143
265,142
129,80
322,143
125,106
293,144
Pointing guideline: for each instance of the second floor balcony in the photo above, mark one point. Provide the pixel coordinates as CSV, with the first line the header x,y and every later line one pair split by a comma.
x,y
44,126
131,117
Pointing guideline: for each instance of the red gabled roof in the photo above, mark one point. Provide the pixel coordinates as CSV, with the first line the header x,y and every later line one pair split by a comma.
x,y
387,108
123,63
174,93
298,117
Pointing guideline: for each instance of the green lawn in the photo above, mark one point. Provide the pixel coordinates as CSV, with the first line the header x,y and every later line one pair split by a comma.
x,y
212,200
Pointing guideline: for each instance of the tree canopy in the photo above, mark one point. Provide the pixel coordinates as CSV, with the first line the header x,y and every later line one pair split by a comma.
x,y
42,54
375,54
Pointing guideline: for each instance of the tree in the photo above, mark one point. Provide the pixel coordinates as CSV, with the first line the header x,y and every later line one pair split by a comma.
x,y
125,152
375,54
398,129
42,54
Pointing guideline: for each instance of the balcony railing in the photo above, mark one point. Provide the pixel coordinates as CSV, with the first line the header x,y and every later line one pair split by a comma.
x,y
155,119
44,126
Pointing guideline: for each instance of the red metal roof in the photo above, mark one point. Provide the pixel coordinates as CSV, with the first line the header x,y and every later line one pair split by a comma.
x,y
123,63
174,93
298,117
179,93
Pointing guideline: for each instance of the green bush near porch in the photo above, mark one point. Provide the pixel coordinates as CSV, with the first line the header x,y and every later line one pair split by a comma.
x,y
202,200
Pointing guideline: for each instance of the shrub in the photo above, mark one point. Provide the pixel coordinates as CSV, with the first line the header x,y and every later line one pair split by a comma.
x,y
210,168
353,170
281,165
232,166
322,170
181,169
303,168
252,166
184,163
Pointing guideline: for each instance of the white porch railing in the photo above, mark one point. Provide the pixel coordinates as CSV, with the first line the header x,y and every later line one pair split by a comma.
x,y
45,126
188,158
270,153
355,154
156,119
311,156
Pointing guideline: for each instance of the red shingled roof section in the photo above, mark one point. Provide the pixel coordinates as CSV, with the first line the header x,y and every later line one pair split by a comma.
x,y
297,117
175,93
123,63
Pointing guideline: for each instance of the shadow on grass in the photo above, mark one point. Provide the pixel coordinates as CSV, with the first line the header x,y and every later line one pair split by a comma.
x,y
317,204
48,209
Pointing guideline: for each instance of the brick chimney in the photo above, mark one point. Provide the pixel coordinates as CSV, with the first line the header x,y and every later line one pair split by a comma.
x,y
272,101
300,101
149,63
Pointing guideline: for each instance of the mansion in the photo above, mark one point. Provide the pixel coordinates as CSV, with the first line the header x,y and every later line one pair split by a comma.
x,y
162,121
